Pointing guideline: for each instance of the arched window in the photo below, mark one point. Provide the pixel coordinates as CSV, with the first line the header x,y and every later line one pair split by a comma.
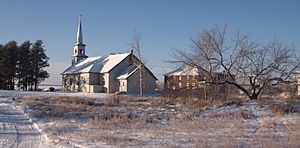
x,y
81,51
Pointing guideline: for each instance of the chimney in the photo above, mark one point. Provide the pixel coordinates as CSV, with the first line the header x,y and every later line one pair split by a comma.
x,y
131,56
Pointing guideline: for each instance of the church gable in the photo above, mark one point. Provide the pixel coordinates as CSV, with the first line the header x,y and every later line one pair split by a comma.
x,y
115,72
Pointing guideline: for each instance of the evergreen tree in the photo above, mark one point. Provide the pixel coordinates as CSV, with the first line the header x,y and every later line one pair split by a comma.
x,y
23,65
39,61
2,65
8,65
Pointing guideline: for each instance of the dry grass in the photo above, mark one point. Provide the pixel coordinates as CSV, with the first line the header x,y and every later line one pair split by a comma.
x,y
116,139
119,100
114,101
57,100
125,120
281,104
58,107
135,121
277,109
114,121
284,107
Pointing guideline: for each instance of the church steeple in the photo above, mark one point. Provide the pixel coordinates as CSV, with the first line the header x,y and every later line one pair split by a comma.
x,y
79,32
79,47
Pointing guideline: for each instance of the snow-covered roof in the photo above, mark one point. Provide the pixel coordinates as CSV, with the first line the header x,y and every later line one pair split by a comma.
x,y
129,71
99,64
183,71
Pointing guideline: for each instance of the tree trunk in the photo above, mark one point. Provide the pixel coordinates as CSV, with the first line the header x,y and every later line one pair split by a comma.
x,y
254,96
12,85
35,86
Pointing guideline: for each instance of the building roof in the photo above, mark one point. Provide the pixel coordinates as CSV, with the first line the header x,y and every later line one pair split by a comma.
x,y
183,71
128,72
131,70
99,64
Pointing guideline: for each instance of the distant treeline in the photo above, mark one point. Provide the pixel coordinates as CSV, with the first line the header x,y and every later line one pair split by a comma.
x,y
22,66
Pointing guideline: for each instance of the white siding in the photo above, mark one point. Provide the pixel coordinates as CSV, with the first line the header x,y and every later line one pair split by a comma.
x,y
115,72
106,83
133,82
84,82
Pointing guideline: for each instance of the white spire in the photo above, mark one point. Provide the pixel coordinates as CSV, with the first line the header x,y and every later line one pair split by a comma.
x,y
79,32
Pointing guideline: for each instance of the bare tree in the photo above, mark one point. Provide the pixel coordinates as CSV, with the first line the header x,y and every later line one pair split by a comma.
x,y
135,44
250,66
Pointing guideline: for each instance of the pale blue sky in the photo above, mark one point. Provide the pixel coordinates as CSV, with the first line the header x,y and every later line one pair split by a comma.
x,y
164,24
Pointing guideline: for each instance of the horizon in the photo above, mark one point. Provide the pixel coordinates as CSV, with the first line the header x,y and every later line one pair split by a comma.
x,y
108,26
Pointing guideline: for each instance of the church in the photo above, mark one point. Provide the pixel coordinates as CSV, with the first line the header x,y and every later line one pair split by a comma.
x,y
113,73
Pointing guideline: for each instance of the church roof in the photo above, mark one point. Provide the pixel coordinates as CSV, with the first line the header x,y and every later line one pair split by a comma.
x,y
99,64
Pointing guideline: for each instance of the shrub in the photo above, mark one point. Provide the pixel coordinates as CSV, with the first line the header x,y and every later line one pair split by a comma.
x,y
277,108
113,100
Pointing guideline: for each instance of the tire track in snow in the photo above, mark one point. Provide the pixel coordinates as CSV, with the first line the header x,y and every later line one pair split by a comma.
x,y
16,128
17,140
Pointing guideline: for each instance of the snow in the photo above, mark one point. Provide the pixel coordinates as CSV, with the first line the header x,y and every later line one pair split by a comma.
x,y
183,71
18,129
13,94
129,71
232,124
99,64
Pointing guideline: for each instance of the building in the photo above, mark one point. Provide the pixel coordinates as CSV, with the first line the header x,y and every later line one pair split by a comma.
x,y
296,81
183,77
189,77
113,73
187,81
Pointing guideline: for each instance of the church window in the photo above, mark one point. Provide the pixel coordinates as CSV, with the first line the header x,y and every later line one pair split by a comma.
x,y
81,51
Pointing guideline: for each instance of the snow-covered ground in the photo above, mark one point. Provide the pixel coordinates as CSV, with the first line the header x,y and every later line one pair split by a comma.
x,y
12,94
147,122
17,129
